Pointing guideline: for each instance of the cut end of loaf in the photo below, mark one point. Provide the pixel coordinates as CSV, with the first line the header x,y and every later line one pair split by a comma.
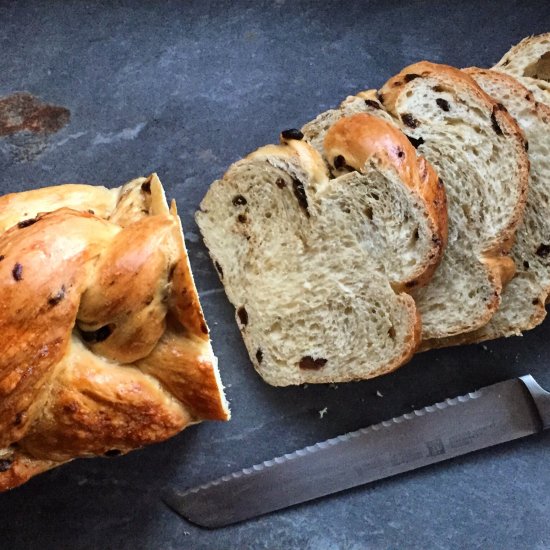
x,y
119,356
299,255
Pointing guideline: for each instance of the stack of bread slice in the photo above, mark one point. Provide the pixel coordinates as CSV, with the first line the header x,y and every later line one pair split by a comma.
x,y
408,218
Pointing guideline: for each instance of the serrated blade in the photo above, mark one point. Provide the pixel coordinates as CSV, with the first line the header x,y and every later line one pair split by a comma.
x,y
492,415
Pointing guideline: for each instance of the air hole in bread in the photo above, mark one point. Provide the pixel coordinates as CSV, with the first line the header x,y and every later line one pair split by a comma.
x,y
309,363
543,250
5,464
243,316
26,223
540,68
411,76
373,104
239,200
99,335
416,142
300,194
339,162
112,452
391,332
494,122
368,212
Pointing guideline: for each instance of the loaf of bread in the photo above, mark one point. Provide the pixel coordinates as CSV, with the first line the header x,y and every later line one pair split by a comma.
x,y
104,344
479,152
529,62
317,268
523,300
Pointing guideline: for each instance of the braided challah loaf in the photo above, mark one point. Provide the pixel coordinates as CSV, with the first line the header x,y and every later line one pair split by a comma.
x,y
104,347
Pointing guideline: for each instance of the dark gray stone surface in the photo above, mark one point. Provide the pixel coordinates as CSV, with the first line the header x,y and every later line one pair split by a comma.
x,y
185,88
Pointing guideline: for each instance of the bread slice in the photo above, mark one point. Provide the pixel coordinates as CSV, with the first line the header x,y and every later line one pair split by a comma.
x,y
529,62
315,266
479,152
523,299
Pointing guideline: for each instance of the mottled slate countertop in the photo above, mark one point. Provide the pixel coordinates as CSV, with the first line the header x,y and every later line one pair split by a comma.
x,y
184,89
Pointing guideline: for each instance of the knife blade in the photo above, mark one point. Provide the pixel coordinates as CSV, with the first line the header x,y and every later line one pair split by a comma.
x,y
489,416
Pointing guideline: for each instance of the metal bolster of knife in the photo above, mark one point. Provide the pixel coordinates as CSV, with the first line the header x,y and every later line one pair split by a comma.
x,y
540,397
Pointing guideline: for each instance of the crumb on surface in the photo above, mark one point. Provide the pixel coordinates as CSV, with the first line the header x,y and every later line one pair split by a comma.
x,y
322,412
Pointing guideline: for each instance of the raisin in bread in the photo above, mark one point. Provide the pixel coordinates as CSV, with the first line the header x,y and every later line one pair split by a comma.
x,y
104,344
529,62
479,152
315,266
523,299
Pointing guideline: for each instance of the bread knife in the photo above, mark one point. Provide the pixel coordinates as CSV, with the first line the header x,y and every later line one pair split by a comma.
x,y
491,415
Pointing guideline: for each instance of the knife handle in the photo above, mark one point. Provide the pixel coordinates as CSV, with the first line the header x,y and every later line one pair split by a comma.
x,y
541,398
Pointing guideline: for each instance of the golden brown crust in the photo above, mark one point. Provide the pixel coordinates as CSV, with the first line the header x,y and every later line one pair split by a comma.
x,y
397,85
516,87
19,468
84,303
362,137
15,207
181,365
298,153
94,407
412,348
